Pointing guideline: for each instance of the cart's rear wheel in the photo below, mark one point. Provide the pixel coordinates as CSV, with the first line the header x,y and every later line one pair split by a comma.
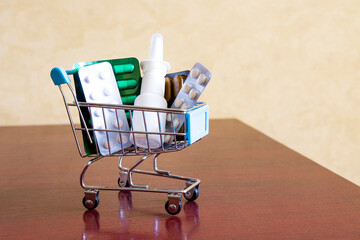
x,y
90,204
192,195
172,208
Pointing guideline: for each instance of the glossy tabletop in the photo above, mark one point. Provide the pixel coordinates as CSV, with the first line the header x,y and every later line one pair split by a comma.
x,y
252,188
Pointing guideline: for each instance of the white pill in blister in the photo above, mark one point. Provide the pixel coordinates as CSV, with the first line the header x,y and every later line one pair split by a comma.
x,y
186,88
202,79
118,124
176,123
106,145
193,94
100,126
122,139
103,75
178,102
108,91
97,112
94,96
184,106
195,72
168,117
87,79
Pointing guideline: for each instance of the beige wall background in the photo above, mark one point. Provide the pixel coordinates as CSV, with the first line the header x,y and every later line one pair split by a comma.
x,y
290,69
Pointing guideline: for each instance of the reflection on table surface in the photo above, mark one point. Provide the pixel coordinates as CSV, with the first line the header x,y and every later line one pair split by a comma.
x,y
176,227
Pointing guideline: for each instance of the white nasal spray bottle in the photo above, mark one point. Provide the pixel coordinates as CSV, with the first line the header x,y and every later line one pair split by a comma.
x,y
152,95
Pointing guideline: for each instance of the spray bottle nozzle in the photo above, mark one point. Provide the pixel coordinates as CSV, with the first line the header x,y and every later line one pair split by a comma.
x,y
156,48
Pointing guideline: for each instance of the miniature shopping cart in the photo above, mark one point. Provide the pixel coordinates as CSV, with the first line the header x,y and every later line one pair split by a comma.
x,y
196,126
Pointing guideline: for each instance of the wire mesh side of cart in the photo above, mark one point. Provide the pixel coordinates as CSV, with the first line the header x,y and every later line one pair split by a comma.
x,y
84,132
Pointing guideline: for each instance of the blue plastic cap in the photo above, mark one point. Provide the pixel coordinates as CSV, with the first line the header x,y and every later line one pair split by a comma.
x,y
59,76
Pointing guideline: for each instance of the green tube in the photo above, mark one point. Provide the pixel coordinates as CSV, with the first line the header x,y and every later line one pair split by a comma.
x,y
123,68
126,84
128,100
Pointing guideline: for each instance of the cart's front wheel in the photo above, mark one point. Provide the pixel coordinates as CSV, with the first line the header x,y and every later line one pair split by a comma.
x,y
90,204
123,180
121,183
172,208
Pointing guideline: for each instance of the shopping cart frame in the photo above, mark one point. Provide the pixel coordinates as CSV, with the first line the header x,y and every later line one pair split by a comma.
x,y
180,141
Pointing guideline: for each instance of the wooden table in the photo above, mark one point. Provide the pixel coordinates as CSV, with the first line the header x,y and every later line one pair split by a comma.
x,y
252,188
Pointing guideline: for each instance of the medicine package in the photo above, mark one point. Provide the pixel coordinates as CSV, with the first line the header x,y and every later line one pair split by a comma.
x,y
187,97
128,79
99,86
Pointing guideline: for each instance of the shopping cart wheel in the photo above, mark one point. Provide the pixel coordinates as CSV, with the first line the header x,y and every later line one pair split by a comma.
x,y
173,205
172,209
123,179
123,183
192,195
91,199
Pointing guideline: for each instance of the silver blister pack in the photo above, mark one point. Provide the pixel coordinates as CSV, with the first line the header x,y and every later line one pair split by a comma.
x,y
99,86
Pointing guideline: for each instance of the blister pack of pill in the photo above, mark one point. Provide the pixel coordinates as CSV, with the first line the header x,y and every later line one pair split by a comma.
x,y
187,97
128,80
99,86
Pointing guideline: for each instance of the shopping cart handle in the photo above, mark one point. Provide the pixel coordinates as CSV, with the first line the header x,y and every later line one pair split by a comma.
x,y
59,76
